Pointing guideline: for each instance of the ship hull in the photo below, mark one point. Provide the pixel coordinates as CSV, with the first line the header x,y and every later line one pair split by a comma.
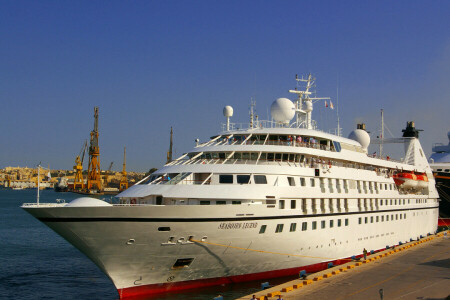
x,y
138,247
443,188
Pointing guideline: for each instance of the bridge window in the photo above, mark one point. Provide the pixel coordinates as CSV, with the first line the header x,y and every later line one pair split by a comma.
x,y
226,179
260,179
291,181
243,179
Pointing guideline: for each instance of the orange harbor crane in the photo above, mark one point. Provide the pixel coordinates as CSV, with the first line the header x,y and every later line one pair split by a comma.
x,y
94,181
124,180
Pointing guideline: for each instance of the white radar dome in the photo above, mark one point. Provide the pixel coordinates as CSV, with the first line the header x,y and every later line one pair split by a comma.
x,y
308,106
282,110
87,201
228,111
361,136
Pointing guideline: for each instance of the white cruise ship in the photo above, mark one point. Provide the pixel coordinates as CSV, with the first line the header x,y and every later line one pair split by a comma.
x,y
254,202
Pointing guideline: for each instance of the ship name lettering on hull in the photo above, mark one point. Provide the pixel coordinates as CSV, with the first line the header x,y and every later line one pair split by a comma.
x,y
236,225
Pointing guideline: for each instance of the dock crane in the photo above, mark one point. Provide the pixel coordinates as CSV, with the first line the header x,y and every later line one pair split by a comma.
x,y
124,180
94,181
78,182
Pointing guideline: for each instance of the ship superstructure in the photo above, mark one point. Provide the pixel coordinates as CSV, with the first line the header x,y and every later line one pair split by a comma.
x,y
256,202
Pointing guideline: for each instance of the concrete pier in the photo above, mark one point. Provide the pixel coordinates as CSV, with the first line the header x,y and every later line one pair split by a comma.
x,y
417,270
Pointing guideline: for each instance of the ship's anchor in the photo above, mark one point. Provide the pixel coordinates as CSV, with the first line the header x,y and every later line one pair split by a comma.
x,y
136,281
170,279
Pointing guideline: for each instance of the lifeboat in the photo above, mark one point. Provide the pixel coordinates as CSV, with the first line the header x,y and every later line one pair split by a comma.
x,y
406,180
422,180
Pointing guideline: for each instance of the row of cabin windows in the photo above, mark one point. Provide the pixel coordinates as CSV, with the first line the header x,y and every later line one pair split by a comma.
x,y
323,203
293,181
293,226
219,202
382,218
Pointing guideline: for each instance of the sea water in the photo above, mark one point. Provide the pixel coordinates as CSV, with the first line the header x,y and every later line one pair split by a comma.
x,y
36,263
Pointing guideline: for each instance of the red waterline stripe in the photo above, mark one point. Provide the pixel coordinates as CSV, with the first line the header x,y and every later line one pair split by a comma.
x,y
444,222
137,292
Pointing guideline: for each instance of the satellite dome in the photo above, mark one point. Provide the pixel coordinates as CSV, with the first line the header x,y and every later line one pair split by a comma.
x,y
361,136
228,111
308,106
282,110
87,201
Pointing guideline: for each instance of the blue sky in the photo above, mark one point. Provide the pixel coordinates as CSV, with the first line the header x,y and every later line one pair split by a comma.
x,y
150,65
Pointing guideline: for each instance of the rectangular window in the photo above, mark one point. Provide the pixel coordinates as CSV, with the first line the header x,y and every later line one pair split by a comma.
x,y
260,179
302,181
243,179
236,202
225,178
304,226
339,222
331,223
291,181
392,217
220,202
371,219
262,229
281,204
205,202
313,182
359,220
346,222
293,227
293,204
314,225
396,216
322,224
404,216
378,218
279,228
366,220
382,218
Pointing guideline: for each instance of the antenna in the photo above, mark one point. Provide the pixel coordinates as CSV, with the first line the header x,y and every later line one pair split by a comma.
x,y
337,108
252,105
382,133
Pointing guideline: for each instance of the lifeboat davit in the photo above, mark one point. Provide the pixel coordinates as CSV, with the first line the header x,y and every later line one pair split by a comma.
x,y
406,180
422,180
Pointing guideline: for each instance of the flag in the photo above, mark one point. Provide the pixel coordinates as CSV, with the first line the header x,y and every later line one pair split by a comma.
x,y
331,105
326,104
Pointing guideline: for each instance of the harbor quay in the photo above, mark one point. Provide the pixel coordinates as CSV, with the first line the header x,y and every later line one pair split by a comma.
x,y
415,270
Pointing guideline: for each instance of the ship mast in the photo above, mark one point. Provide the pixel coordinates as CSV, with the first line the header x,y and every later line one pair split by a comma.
x,y
304,103
382,133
